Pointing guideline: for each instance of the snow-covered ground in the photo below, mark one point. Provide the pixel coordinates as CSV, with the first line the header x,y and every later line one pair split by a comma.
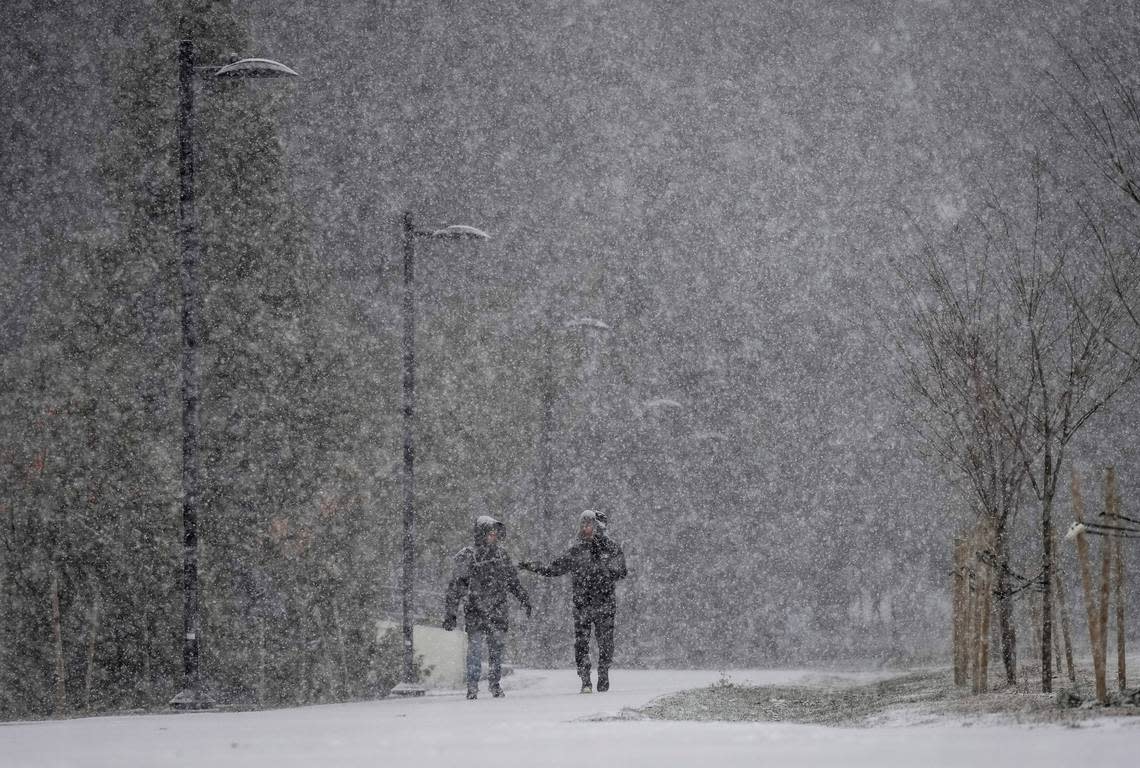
x,y
543,721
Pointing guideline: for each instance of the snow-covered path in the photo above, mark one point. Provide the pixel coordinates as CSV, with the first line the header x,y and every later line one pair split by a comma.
x,y
542,721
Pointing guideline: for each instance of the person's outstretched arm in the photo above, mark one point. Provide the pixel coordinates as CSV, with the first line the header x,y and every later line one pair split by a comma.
x,y
560,565
516,588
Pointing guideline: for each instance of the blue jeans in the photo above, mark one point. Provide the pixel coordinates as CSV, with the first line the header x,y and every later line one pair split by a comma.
x,y
494,639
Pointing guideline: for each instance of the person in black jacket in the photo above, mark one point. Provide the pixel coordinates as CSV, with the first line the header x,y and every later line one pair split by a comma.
x,y
596,562
484,574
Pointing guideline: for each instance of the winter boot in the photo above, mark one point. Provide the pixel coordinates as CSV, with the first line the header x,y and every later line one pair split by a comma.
x,y
603,680
472,693
497,691
587,688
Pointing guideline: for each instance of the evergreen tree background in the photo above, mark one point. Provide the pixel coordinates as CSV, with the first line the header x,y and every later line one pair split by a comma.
x,y
291,554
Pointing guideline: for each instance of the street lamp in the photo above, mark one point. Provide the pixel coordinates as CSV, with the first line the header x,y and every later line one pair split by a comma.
x,y
192,696
409,234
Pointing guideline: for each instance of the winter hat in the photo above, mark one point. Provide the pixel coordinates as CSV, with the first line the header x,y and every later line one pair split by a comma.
x,y
484,524
598,519
594,515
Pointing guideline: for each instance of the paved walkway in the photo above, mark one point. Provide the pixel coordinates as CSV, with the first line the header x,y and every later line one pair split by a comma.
x,y
543,721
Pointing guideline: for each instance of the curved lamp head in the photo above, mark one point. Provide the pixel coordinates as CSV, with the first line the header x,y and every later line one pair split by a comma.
x,y
460,232
586,322
243,68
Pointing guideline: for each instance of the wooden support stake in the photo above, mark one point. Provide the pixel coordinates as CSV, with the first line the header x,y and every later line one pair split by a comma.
x,y
1118,561
1106,565
1086,583
1035,619
976,636
984,632
1121,666
1063,610
982,591
969,609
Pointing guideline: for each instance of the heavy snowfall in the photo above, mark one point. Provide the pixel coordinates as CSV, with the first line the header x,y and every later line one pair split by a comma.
x,y
772,365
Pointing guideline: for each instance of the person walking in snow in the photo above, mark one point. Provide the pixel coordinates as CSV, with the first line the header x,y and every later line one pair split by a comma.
x,y
596,563
484,574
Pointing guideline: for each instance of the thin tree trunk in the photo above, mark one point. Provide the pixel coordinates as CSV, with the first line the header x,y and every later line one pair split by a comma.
x,y
261,637
1006,629
92,634
987,609
1047,573
310,672
969,635
1035,618
1090,599
57,635
1057,655
1121,666
328,665
343,652
961,608
148,677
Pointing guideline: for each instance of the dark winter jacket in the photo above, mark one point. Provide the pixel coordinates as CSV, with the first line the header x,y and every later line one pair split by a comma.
x,y
595,566
483,575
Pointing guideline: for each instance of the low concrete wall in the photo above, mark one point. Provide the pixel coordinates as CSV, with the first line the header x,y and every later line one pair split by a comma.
x,y
444,652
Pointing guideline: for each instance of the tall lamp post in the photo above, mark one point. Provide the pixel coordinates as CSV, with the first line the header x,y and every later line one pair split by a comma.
x,y
192,695
409,234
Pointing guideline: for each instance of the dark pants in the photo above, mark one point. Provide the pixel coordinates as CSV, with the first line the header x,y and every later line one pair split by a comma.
x,y
602,624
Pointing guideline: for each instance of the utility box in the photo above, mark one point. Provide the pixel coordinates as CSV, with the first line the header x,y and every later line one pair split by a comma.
x,y
443,652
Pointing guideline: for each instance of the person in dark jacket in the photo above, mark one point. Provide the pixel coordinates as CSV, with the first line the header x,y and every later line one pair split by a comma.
x,y
596,563
484,574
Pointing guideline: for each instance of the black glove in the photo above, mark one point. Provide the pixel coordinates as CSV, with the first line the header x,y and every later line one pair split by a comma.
x,y
449,623
526,565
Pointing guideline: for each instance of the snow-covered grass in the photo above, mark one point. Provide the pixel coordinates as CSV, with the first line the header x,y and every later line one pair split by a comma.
x,y
922,696
543,721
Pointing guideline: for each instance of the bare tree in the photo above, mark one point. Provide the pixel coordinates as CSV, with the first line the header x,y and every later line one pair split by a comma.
x,y
1095,100
1009,353
955,348
1067,315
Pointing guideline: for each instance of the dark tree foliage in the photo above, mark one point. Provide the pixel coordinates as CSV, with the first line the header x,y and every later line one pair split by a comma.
x,y
92,414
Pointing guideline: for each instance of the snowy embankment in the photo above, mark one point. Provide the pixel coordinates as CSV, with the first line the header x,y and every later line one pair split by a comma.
x,y
543,721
